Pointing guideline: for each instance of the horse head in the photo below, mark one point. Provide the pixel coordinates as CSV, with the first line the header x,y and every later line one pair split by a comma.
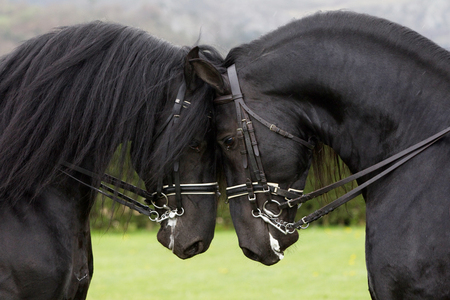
x,y
258,181
181,171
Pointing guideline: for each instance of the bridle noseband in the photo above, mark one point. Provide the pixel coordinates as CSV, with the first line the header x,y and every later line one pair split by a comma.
x,y
174,188
251,157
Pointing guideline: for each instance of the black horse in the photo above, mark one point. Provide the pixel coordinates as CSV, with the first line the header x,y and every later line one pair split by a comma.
x,y
68,100
369,89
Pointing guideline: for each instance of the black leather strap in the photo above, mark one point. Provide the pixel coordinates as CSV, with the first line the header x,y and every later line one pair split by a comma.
x,y
419,146
241,190
251,157
238,97
276,129
401,158
248,159
112,193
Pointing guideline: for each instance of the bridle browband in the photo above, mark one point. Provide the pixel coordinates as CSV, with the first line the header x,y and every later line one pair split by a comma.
x,y
246,134
175,188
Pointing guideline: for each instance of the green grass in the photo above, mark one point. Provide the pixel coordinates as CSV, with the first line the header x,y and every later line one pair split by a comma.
x,y
326,263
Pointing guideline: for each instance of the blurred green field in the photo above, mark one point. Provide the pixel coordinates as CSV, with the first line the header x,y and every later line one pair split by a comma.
x,y
326,263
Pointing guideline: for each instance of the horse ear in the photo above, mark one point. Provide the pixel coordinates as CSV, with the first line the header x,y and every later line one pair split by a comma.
x,y
209,74
189,74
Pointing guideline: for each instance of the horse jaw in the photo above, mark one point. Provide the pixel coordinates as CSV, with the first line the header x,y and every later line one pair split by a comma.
x,y
275,245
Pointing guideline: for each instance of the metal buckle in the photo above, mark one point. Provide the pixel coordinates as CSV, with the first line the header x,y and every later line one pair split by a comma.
x,y
300,192
304,222
296,191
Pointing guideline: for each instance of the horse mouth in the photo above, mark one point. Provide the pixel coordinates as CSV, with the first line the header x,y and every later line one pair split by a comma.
x,y
275,245
265,260
271,251
194,249
184,248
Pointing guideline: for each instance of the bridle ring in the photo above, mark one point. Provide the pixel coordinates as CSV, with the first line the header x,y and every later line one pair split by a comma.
x,y
256,213
270,213
165,205
153,212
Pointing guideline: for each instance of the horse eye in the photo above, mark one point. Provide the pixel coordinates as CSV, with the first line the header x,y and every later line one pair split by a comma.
x,y
229,142
195,145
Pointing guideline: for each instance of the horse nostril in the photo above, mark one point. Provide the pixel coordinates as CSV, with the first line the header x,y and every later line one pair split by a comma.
x,y
250,254
194,249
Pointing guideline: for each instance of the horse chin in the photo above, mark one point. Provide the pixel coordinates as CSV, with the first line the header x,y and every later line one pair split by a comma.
x,y
270,249
177,238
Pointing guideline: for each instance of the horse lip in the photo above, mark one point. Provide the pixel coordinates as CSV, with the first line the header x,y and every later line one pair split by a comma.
x,y
182,248
268,262
268,259
275,245
284,241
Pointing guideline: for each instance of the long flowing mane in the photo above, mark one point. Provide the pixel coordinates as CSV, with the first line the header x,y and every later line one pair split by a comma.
x,y
78,92
326,164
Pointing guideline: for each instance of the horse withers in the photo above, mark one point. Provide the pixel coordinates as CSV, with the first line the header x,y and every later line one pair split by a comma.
x,y
68,100
369,89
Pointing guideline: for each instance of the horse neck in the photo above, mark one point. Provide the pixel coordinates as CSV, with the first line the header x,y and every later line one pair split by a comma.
x,y
365,99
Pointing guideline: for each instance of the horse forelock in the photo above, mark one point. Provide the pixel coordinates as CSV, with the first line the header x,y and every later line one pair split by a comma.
x,y
77,93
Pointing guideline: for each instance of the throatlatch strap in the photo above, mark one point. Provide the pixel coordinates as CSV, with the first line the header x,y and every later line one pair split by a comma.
x,y
276,129
236,94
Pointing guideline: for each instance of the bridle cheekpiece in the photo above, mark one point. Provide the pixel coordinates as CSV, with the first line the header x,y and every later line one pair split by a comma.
x,y
256,182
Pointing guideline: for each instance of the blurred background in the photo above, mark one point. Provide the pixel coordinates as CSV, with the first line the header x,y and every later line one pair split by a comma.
x,y
223,24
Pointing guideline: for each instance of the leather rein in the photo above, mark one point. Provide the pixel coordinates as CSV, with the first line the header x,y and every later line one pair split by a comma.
x,y
174,188
251,156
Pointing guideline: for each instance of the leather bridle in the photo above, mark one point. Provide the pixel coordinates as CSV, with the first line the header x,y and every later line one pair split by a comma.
x,y
173,188
251,157
256,180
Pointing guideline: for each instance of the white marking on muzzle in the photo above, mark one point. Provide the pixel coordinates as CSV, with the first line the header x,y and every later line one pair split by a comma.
x,y
172,222
275,247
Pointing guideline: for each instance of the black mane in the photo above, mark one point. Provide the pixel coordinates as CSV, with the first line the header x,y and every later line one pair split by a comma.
x,y
77,93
